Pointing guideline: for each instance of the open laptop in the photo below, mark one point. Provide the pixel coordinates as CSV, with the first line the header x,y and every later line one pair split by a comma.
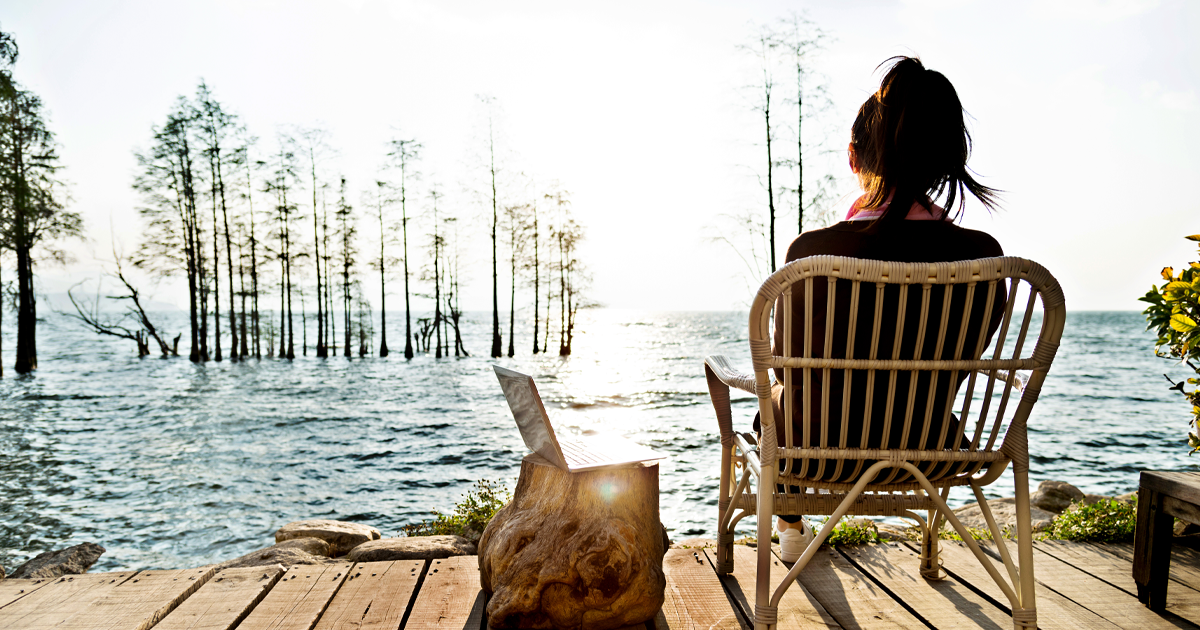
x,y
568,454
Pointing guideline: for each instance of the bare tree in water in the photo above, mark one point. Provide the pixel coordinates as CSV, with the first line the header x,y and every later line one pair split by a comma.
x,y
403,155
173,236
347,235
560,207
533,265
496,341
381,201
800,40
365,327
249,246
453,283
32,199
762,47
434,273
280,185
142,331
517,222
215,126
326,262
314,146
788,46
570,275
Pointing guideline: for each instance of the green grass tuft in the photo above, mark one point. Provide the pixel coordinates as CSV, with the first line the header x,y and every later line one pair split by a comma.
x,y
470,516
1103,521
847,533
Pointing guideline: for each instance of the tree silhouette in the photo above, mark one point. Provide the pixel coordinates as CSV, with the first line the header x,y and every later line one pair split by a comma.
x,y
315,147
33,203
172,240
348,253
496,341
403,154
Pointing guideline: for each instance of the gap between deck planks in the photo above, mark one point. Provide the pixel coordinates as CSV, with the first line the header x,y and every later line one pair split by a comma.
x,y
1185,562
1083,587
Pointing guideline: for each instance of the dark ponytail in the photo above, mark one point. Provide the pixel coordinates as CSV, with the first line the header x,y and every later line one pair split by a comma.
x,y
910,141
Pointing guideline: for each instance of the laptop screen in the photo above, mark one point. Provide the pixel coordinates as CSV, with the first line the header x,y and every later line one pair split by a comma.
x,y
530,415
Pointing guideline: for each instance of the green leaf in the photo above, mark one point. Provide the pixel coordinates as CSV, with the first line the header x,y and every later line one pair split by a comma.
x,y
1176,285
1182,323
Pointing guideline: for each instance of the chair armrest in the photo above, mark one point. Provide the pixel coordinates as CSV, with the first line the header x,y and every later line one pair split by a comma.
x,y
719,366
1017,379
720,375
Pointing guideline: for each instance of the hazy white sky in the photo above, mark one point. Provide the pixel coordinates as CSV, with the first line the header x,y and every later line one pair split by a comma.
x,y
1085,112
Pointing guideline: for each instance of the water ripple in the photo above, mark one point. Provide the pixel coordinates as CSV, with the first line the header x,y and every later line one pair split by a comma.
x,y
169,464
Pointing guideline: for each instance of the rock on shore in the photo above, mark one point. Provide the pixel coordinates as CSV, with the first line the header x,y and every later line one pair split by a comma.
x,y
288,553
52,564
1051,499
341,535
1005,513
411,548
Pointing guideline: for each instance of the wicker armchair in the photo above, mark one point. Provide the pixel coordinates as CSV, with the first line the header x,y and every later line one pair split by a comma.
x,y
893,453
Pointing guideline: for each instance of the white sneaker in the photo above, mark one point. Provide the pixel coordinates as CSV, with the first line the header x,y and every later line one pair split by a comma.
x,y
794,540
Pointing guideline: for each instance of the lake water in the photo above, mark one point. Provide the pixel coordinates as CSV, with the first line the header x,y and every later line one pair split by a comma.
x,y
168,464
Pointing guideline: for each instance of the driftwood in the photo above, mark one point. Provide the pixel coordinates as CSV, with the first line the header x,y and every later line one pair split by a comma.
x,y
92,318
575,550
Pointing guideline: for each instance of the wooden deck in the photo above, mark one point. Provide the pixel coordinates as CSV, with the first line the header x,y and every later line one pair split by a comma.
x,y
872,586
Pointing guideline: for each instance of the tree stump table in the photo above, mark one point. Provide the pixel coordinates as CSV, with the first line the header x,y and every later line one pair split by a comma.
x,y
575,550
1162,497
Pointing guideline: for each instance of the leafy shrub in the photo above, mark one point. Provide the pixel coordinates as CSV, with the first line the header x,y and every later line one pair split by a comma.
x,y
978,533
849,533
1173,314
1103,521
470,516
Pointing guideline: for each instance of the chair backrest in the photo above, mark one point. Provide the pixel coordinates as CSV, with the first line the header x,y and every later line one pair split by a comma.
x,y
872,356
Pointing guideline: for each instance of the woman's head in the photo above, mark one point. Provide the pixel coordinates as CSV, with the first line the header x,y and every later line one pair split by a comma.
x,y
910,140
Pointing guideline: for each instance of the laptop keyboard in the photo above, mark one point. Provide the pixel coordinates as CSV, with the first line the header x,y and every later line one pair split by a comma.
x,y
578,453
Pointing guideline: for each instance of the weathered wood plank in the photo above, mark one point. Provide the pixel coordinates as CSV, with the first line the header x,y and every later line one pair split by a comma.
x,y
941,603
1098,562
694,597
850,597
1054,611
59,600
1181,485
1185,566
224,600
1181,600
1185,562
797,609
1101,597
450,597
12,590
374,595
298,599
139,602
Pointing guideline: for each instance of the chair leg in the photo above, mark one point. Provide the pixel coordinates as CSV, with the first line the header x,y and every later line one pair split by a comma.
x,y
724,543
764,613
1026,615
725,538
931,564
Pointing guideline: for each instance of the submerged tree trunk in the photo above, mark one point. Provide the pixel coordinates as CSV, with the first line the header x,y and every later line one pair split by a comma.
x,y
537,270
26,360
408,347
383,349
216,236
496,341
